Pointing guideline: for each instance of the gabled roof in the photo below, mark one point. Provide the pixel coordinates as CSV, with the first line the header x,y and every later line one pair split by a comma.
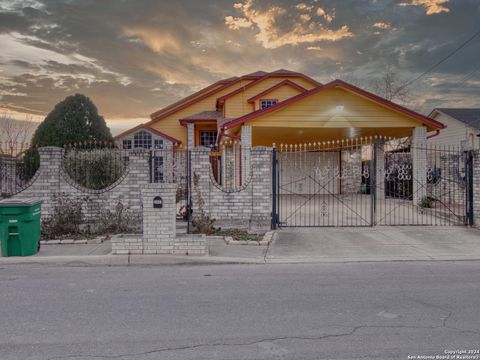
x,y
148,128
203,116
182,104
335,83
276,86
469,116
181,101
277,73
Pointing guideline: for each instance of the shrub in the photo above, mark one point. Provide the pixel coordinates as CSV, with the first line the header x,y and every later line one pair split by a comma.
x,y
66,218
426,202
121,220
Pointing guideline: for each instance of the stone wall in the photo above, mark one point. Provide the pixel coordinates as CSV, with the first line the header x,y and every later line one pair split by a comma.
x,y
52,180
246,207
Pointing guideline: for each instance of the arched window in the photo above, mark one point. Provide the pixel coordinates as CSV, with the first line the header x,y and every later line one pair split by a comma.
x,y
142,139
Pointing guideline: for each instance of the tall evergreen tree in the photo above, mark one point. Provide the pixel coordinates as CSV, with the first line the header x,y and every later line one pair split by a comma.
x,y
72,120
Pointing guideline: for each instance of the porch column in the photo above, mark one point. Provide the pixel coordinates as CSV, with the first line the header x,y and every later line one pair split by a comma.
x,y
419,163
246,146
190,136
224,166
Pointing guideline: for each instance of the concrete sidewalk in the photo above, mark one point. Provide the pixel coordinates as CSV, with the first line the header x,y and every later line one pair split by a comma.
x,y
375,244
326,245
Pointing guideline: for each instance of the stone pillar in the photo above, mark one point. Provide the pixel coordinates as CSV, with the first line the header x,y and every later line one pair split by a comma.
x,y
224,166
190,136
159,226
419,163
261,184
47,179
246,146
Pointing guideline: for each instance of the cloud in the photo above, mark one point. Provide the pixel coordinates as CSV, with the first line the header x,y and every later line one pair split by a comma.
x,y
237,23
327,16
275,27
431,6
382,25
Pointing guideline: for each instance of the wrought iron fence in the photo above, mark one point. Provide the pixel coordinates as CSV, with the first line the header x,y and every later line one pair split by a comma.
x,y
95,165
18,164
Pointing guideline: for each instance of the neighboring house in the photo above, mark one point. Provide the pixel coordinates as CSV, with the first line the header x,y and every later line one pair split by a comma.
x,y
462,127
280,107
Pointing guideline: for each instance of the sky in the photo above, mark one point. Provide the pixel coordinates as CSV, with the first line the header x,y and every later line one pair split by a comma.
x,y
132,57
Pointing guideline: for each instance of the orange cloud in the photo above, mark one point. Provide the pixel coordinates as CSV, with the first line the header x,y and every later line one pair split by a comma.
x,y
271,35
431,6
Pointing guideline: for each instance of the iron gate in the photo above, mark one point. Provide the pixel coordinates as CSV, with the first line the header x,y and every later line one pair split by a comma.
x,y
371,181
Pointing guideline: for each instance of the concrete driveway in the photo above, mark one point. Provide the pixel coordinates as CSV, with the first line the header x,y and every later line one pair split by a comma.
x,y
374,244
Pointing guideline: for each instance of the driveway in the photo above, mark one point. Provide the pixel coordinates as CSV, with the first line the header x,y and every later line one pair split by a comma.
x,y
374,244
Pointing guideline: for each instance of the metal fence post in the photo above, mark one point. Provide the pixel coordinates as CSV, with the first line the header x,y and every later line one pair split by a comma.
x,y
373,185
274,188
469,189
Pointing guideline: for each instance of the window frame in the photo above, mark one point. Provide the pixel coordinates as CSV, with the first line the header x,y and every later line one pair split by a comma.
x,y
273,102
214,137
143,142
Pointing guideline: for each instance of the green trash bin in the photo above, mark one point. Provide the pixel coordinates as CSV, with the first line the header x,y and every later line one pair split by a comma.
x,y
20,227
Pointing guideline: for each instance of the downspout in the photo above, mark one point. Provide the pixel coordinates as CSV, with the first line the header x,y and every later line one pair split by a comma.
x,y
433,135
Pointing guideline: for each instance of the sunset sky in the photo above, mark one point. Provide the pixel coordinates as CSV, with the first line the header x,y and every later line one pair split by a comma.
x,y
132,57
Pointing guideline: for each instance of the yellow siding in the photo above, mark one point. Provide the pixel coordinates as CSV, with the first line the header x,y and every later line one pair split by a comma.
x,y
319,111
282,93
237,105
170,125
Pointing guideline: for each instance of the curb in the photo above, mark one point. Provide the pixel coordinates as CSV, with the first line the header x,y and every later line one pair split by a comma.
x,y
162,260
124,260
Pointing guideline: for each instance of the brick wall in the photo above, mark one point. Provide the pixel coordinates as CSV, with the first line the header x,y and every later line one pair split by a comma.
x,y
159,227
246,207
51,180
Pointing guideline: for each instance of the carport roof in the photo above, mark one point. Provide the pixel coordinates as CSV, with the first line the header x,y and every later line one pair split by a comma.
x,y
341,84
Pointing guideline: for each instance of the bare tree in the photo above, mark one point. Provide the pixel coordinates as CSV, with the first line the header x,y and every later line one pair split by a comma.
x,y
391,87
15,134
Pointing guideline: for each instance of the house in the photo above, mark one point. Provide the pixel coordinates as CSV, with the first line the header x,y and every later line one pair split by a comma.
x,y
462,127
266,108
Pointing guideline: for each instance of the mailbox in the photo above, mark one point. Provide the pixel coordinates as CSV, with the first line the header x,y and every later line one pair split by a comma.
x,y
157,202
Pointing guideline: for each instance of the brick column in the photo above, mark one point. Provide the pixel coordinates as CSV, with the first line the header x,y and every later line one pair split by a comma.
x,y
224,166
261,184
159,227
48,178
419,163
190,136
246,146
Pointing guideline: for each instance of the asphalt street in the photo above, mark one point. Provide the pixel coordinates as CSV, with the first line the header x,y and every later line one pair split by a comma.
x,y
388,310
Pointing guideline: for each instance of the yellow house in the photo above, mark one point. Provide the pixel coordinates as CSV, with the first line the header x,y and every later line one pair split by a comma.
x,y
260,109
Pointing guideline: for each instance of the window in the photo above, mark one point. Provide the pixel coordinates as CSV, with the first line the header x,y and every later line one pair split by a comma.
x,y
157,169
266,103
158,144
142,139
127,144
208,138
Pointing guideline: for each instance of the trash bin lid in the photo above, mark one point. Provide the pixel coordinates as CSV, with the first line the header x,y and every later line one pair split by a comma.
x,y
19,202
